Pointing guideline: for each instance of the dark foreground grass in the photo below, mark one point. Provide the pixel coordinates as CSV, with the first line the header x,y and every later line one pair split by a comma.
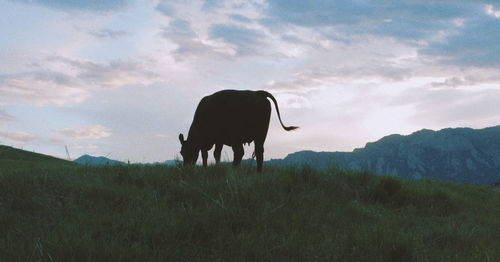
x,y
16,158
161,213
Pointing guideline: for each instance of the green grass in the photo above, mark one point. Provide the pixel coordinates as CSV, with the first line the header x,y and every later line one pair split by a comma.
x,y
162,213
13,158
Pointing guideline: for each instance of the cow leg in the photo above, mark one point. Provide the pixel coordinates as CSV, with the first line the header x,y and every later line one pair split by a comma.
x,y
238,154
204,155
259,153
217,152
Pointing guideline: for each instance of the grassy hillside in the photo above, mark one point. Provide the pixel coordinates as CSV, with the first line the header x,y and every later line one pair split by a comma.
x,y
16,158
162,213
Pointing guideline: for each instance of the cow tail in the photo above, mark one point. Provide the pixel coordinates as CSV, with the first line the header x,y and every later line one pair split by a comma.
x,y
287,128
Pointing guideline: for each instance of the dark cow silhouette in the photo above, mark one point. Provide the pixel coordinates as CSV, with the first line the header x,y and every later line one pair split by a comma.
x,y
229,117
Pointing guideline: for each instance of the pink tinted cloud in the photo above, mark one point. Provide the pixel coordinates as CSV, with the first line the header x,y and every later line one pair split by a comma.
x,y
4,117
87,132
18,136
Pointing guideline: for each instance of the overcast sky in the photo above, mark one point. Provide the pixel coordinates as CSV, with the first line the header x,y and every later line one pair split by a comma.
x,y
122,78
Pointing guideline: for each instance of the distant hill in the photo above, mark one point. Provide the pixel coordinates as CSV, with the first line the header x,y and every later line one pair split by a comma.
x,y
92,160
452,154
11,157
170,162
166,162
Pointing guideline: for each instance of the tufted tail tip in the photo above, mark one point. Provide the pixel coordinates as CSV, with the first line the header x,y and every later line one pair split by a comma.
x,y
290,128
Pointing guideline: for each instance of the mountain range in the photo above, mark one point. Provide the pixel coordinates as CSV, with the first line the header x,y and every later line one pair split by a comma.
x,y
93,160
101,160
462,155
452,154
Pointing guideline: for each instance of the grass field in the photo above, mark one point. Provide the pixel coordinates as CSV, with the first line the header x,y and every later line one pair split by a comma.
x,y
11,157
162,213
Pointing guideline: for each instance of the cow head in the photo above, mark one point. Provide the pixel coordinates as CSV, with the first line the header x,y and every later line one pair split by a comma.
x,y
188,151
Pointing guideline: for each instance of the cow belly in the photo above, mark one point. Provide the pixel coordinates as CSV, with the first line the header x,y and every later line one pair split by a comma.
x,y
234,138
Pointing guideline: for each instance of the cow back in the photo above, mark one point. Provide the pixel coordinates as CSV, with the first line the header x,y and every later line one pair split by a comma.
x,y
232,117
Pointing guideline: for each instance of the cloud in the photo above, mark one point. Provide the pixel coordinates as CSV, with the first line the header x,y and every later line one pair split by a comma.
x,y
464,33
316,13
41,88
325,61
165,8
86,132
302,82
441,107
115,74
211,5
87,5
189,44
108,33
453,82
88,146
327,43
240,18
213,29
490,10
363,59
246,41
4,117
61,81
56,140
405,19
18,136
475,43
297,91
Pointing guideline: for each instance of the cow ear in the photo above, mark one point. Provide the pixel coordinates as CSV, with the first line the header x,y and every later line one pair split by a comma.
x,y
181,138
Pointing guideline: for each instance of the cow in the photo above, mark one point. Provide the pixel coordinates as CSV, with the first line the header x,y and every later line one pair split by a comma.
x,y
232,118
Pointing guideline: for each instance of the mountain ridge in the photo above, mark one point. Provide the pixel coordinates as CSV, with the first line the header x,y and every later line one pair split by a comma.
x,y
99,160
451,154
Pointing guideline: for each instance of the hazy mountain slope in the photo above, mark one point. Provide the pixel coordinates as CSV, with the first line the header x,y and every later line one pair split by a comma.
x,y
92,160
458,154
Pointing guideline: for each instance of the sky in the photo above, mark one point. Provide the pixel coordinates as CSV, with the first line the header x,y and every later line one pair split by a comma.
x,y
122,78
